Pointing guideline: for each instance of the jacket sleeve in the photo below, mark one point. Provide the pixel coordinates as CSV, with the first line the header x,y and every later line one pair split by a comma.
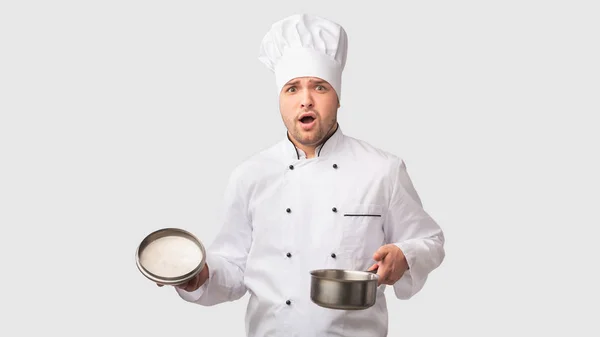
x,y
409,227
226,256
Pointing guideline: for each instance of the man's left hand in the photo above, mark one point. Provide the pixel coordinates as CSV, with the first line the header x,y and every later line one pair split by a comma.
x,y
392,264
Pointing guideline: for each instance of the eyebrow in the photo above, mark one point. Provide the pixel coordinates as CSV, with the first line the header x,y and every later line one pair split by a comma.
x,y
311,81
291,83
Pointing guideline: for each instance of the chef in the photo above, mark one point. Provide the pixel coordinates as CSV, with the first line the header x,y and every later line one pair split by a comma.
x,y
316,199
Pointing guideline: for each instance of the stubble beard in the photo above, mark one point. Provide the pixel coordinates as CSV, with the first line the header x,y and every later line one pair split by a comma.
x,y
314,136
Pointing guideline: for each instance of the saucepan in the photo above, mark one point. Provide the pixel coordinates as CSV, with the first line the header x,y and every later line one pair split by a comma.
x,y
170,256
344,289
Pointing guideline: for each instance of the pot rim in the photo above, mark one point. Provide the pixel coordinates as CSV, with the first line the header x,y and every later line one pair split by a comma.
x,y
169,231
317,274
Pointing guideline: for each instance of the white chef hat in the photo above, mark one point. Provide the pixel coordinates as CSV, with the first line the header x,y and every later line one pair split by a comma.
x,y
305,45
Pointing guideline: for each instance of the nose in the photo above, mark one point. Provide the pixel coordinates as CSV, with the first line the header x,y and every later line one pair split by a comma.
x,y
307,101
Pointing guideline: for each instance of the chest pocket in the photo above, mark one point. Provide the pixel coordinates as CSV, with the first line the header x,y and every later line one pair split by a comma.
x,y
361,230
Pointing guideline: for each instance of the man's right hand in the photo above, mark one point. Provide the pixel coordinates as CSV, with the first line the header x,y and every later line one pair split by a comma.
x,y
195,283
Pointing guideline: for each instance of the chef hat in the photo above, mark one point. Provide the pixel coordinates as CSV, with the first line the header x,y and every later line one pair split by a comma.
x,y
305,45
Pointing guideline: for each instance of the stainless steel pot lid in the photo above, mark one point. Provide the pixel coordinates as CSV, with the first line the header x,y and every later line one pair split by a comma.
x,y
170,256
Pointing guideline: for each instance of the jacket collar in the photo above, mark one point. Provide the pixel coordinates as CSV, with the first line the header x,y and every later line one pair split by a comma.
x,y
330,145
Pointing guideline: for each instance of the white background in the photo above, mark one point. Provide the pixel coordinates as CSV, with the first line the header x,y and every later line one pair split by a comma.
x,y
121,117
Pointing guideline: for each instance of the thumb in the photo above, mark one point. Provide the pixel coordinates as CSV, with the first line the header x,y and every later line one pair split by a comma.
x,y
381,253
373,267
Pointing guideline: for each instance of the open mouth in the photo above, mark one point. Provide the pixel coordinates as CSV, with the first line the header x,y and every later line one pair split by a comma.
x,y
307,119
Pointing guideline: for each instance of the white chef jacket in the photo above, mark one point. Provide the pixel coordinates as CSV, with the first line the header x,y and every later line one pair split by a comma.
x,y
285,216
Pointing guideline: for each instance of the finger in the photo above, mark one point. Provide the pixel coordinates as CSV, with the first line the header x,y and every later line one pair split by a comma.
x,y
391,275
383,274
373,267
191,285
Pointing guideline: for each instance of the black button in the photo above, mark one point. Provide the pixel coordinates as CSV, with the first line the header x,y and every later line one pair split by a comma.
x,y
288,302
289,254
291,167
334,166
288,210
334,209
333,255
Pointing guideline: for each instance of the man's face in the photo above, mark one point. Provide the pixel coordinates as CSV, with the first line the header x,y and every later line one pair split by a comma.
x,y
308,106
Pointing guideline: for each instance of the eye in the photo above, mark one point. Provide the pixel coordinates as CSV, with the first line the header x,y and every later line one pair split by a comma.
x,y
320,87
291,89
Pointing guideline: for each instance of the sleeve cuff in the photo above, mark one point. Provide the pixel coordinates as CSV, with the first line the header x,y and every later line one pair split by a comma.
x,y
408,284
408,251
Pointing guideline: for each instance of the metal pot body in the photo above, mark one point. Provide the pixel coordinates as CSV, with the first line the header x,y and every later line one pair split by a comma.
x,y
343,289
